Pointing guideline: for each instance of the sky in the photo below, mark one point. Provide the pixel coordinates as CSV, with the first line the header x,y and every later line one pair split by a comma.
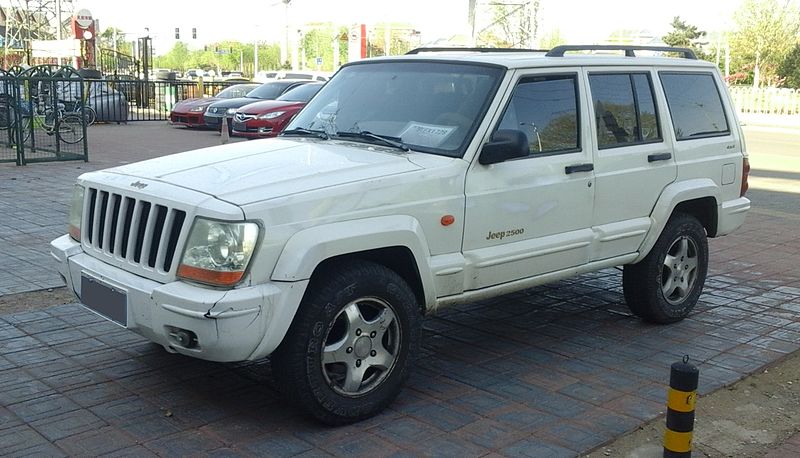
x,y
247,20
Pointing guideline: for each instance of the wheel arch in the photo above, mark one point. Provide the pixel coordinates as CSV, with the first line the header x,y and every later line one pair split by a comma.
x,y
396,242
399,259
697,197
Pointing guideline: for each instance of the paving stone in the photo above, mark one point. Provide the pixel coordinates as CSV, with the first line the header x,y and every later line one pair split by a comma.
x,y
43,407
184,444
536,448
489,434
96,442
24,392
25,441
279,444
67,424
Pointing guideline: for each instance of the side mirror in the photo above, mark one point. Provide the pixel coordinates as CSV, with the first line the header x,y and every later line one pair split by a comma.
x,y
505,144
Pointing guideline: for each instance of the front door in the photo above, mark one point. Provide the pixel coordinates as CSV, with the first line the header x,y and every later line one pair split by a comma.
x,y
533,215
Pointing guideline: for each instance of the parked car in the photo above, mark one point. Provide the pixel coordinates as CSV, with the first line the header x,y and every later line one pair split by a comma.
x,y
264,76
109,104
267,91
189,112
268,118
406,186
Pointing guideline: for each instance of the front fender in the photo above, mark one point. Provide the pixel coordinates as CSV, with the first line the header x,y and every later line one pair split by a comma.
x,y
306,249
673,195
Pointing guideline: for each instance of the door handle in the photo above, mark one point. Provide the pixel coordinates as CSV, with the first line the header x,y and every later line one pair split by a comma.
x,y
659,157
578,168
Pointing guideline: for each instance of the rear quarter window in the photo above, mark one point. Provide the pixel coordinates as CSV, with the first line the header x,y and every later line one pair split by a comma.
x,y
695,105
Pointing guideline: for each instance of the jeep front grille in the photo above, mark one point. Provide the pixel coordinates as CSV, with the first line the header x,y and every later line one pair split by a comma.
x,y
132,230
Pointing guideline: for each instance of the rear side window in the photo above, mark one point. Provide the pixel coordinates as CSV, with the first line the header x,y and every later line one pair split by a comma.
x,y
624,109
545,109
695,105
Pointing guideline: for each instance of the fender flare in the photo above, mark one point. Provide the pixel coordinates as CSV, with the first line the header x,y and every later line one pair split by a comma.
x,y
673,195
306,249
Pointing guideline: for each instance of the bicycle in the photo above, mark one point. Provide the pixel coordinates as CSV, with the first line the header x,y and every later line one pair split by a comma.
x,y
80,109
67,126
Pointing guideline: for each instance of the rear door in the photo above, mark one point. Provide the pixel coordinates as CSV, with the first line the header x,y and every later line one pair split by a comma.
x,y
634,160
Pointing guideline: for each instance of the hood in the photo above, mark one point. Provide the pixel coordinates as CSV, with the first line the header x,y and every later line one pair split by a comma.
x,y
247,172
266,106
233,103
188,104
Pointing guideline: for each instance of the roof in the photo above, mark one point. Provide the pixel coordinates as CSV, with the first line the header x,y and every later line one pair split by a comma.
x,y
518,58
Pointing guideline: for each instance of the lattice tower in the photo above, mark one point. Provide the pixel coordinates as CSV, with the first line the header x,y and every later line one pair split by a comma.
x,y
27,20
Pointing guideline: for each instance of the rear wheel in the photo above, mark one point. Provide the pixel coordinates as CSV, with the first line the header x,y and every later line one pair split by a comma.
x,y
70,128
665,286
351,344
89,115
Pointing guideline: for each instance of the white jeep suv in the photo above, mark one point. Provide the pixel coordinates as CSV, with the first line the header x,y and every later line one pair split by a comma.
x,y
407,184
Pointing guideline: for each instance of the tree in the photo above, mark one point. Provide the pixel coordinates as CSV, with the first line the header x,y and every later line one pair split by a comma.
x,y
790,68
765,33
111,35
685,35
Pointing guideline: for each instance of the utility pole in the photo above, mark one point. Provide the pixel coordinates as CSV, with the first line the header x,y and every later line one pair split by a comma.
x,y
471,20
255,57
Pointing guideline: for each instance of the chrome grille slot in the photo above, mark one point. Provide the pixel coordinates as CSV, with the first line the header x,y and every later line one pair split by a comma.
x,y
132,230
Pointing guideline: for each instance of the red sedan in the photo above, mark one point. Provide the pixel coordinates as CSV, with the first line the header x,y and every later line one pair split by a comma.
x,y
269,117
189,112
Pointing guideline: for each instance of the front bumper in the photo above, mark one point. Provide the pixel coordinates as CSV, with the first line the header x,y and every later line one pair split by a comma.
x,y
194,119
238,324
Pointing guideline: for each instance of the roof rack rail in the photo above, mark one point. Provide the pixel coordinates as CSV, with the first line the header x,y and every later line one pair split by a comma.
x,y
559,51
456,48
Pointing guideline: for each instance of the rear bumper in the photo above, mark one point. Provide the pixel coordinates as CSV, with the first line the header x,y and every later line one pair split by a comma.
x,y
731,214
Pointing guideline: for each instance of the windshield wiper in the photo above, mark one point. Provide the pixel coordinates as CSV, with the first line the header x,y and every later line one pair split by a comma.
x,y
394,142
303,132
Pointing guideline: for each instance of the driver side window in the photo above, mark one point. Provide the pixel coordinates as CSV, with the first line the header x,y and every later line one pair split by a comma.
x,y
545,109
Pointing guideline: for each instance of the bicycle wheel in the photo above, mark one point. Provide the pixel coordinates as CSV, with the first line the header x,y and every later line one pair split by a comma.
x,y
89,115
7,113
70,128
24,131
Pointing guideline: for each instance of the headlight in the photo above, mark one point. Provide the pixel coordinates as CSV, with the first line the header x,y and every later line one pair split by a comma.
x,y
271,115
217,253
231,111
76,212
197,109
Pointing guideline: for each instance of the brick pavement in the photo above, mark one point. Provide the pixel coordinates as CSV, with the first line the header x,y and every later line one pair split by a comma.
x,y
552,371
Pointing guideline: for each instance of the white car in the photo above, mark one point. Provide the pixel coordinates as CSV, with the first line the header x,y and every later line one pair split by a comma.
x,y
408,184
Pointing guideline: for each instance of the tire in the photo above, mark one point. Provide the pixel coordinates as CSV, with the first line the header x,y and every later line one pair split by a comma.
x,y
70,128
341,359
665,286
89,115
7,113
24,131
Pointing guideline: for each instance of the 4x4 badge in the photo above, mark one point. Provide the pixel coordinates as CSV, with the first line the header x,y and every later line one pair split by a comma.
x,y
139,185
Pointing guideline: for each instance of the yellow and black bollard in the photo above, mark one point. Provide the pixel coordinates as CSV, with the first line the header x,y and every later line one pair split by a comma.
x,y
683,379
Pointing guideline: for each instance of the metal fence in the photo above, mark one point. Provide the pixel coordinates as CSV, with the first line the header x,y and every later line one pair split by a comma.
x,y
783,101
146,100
43,116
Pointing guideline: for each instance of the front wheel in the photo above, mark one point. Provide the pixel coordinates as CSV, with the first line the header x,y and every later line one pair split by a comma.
x,y
665,286
350,347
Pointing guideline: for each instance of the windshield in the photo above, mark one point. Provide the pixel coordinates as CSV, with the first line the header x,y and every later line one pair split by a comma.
x,y
239,90
429,106
270,91
301,93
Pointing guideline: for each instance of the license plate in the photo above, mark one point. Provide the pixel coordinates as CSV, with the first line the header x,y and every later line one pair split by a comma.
x,y
240,126
104,299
